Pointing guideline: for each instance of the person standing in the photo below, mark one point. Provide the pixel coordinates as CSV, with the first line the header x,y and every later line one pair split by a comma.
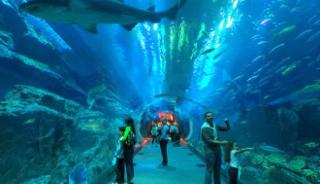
x,y
212,147
154,132
164,138
233,157
129,141
118,160
174,130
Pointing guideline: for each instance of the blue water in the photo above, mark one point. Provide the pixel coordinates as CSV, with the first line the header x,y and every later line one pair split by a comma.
x,y
255,62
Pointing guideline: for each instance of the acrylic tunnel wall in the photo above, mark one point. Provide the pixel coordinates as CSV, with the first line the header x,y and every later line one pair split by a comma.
x,y
71,72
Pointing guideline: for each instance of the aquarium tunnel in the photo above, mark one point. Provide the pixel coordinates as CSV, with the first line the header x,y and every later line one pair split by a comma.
x,y
159,91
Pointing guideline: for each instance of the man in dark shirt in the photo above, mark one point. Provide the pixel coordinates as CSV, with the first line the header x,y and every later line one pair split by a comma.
x,y
212,149
164,138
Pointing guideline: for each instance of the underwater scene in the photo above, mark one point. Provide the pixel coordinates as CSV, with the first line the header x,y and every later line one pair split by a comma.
x,y
160,91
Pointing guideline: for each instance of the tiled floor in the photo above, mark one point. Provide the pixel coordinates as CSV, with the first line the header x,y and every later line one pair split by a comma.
x,y
184,167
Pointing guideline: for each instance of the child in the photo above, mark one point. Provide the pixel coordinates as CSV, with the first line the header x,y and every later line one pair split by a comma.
x,y
118,160
232,157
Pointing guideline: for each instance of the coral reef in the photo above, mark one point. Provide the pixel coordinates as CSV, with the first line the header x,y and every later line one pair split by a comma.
x,y
279,168
46,132
297,164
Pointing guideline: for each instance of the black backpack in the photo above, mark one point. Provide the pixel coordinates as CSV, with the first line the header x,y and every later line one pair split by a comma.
x,y
131,139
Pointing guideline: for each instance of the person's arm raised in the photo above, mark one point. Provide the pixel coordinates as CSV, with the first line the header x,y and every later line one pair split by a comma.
x,y
226,121
244,150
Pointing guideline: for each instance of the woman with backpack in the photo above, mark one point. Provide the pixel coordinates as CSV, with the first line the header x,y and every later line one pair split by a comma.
x,y
129,141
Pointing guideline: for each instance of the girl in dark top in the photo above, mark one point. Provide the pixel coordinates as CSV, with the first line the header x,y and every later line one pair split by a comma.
x,y
128,150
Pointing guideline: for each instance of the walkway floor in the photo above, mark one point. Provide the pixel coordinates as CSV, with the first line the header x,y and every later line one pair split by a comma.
x,y
184,166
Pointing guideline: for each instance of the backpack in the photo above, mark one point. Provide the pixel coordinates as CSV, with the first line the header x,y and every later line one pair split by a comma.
x,y
131,139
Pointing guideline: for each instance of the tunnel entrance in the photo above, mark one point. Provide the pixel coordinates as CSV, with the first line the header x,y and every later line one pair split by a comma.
x,y
173,120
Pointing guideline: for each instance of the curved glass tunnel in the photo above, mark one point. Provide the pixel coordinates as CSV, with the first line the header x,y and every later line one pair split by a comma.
x,y
70,73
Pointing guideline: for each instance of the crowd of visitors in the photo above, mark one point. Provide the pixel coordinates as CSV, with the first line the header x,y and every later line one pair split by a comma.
x,y
164,130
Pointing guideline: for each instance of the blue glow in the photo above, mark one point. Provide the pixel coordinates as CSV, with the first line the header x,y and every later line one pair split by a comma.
x,y
155,27
221,25
235,4
230,22
204,71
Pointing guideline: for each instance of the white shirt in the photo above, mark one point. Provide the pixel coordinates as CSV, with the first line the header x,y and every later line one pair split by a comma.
x,y
234,159
214,129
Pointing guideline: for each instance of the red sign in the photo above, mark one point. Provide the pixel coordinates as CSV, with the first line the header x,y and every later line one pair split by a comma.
x,y
166,115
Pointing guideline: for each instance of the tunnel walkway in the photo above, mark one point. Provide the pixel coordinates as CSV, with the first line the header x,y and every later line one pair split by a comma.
x,y
184,166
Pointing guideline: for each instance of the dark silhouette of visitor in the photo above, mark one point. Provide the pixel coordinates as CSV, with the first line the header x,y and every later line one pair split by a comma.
x,y
129,141
212,149
164,138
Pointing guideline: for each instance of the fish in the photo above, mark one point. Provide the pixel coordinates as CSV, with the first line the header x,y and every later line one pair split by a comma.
x,y
206,34
281,69
207,51
290,69
256,37
38,26
218,55
89,13
258,58
309,91
314,37
285,31
312,145
312,19
252,78
265,21
262,42
304,34
259,70
317,23
238,78
270,149
266,97
29,121
296,10
274,49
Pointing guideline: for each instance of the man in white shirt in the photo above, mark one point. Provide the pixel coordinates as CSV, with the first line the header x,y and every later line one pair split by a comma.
x,y
212,150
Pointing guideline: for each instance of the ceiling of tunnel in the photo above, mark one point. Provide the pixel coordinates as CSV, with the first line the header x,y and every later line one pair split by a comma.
x,y
223,55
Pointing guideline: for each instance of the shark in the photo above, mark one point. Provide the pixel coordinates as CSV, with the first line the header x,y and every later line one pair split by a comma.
x,y
89,13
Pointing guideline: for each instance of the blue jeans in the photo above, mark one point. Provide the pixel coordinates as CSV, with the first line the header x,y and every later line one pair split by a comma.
x,y
213,167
